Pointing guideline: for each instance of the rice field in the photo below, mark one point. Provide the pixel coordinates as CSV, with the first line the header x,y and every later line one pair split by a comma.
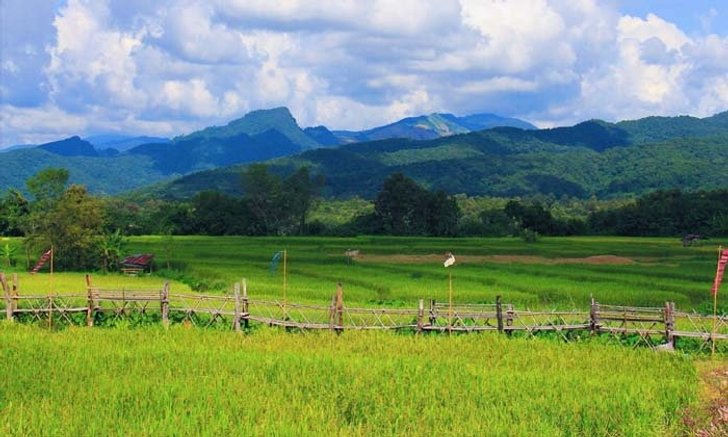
x,y
555,272
183,381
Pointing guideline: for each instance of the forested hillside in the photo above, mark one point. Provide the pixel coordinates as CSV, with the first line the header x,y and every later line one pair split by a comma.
x,y
593,158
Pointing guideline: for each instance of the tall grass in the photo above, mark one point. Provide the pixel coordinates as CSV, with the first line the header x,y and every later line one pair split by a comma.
x,y
188,381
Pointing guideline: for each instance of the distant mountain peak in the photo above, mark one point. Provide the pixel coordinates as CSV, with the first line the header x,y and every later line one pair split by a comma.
x,y
257,122
432,126
73,146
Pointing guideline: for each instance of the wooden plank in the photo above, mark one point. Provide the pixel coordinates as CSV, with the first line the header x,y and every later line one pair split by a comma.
x,y
631,331
703,335
6,294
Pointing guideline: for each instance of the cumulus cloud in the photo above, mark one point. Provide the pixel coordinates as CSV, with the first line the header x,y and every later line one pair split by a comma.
x,y
173,66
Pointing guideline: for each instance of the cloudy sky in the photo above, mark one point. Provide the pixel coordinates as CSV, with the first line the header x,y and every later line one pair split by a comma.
x,y
168,67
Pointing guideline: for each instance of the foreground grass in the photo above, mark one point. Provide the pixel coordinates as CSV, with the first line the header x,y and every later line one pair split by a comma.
x,y
190,381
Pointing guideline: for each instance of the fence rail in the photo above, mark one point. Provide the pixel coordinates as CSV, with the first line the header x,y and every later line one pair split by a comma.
x,y
651,326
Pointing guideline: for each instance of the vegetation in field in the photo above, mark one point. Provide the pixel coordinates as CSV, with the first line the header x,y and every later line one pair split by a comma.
x,y
556,272
189,381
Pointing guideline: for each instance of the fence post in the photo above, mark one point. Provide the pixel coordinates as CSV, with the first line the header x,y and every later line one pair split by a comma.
x,y
499,312
16,287
236,318
246,313
594,316
332,312
6,294
669,317
164,301
91,304
433,315
339,308
509,317
420,315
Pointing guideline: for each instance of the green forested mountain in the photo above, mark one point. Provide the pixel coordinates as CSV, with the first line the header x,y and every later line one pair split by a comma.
x,y
591,158
258,136
106,175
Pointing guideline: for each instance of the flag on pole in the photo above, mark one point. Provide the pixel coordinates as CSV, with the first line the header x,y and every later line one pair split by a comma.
x,y
41,261
450,260
274,261
722,260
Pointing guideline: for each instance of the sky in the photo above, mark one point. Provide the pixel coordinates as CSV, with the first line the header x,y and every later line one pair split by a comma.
x,y
169,67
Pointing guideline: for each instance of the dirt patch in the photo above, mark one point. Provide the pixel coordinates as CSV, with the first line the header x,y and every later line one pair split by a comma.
x,y
476,259
711,416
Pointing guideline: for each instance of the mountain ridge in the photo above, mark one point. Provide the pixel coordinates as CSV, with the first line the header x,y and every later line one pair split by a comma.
x,y
496,161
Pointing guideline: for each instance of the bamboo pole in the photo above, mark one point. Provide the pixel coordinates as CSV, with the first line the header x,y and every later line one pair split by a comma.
x,y
715,306
16,287
236,319
499,312
8,300
340,306
245,304
433,316
449,311
91,305
285,282
420,315
165,304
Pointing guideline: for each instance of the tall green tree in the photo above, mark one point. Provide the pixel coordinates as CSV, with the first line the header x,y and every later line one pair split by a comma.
x,y
14,210
262,195
400,206
443,215
299,192
68,219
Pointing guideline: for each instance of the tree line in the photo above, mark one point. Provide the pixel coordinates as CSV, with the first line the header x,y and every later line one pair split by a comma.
x,y
88,231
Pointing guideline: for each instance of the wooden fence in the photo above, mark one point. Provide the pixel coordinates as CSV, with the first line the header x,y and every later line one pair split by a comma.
x,y
649,326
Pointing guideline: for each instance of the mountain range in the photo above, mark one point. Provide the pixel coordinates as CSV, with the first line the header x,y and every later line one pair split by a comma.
x,y
480,154
259,135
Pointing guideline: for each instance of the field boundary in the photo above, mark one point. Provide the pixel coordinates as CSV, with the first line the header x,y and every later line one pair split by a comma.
x,y
655,327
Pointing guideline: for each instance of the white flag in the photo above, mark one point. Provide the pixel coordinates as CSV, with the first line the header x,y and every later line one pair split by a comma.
x,y
450,260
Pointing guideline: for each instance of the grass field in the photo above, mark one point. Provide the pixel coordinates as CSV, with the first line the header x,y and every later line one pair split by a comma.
x,y
152,381
555,272
191,381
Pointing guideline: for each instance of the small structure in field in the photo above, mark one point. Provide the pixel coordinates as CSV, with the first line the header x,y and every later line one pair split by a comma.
x,y
691,239
132,265
350,255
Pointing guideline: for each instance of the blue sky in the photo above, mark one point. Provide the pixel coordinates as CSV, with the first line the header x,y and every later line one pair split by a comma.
x,y
168,67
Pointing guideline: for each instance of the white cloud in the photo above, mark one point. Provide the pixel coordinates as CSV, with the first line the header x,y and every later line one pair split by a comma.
x,y
153,67
657,69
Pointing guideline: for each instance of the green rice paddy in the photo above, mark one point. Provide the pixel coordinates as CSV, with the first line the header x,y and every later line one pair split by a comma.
x,y
194,381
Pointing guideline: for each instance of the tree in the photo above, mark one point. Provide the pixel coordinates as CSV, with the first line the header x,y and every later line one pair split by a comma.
x,y
69,220
48,185
533,217
401,206
111,246
215,213
73,228
278,206
14,210
262,195
299,192
443,215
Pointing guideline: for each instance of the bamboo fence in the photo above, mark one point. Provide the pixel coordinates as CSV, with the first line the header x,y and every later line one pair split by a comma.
x,y
651,326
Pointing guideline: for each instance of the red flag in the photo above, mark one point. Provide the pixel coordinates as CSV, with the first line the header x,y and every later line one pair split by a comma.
x,y
719,273
42,260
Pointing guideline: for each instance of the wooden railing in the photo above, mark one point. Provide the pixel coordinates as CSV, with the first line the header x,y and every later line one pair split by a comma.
x,y
651,326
